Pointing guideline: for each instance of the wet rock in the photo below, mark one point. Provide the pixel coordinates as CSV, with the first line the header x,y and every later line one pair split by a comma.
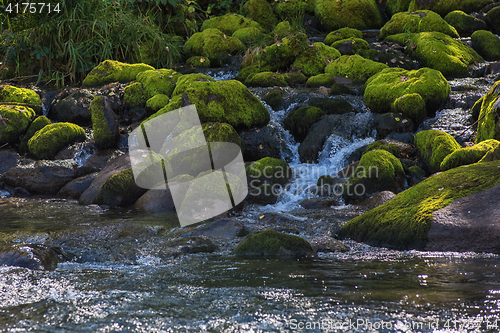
x,y
104,122
389,122
274,99
433,146
8,159
220,229
493,19
193,245
470,223
417,174
75,188
377,199
313,143
101,158
299,121
73,108
264,194
332,105
43,177
273,243
32,256
319,203
327,244
156,200
355,67
260,143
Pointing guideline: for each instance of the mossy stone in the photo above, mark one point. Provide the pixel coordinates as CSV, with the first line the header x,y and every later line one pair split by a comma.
x,y
468,155
378,170
359,14
49,140
404,221
354,67
342,33
332,105
114,71
249,36
119,190
261,12
37,124
134,95
158,81
411,106
104,123
319,80
433,147
340,89
493,19
14,121
249,70
351,45
198,61
273,243
299,121
486,44
293,10
414,22
214,45
383,88
20,95
314,59
222,132
443,7
156,102
295,79
274,98
491,155
395,6
281,55
268,170
381,144
464,23
229,23
489,123
266,79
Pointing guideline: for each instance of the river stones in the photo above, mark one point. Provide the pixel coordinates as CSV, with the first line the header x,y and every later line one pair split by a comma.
x,y
261,12
260,143
72,107
75,188
354,67
465,24
8,160
221,229
468,155
51,138
315,58
486,44
443,7
389,122
32,256
299,121
433,146
270,243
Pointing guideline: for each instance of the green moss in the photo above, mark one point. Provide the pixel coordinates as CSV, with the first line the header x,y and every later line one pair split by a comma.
x,y
433,146
49,140
198,61
489,123
340,89
315,58
14,122
411,106
391,148
359,14
416,172
443,53
37,124
133,95
299,121
266,79
383,88
20,95
274,98
222,132
103,137
214,45
354,67
423,20
486,44
261,12
229,23
187,80
443,7
268,170
121,188
342,33
464,23
319,80
114,71
351,45
158,81
395,6
273,243
156,103
378,170
491,155
295,79
244,73
249,36
469,155
404,221
293,10
282,54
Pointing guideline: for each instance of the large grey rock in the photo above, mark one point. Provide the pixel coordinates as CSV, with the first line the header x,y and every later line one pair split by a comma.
x,y
260,143
222,229
75,188
8,159
156,200
32,256
72,107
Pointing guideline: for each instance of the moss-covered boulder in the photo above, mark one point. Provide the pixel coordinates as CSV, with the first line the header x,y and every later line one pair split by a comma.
x,y
315,58
156,103
493,19
49,140
222,132
20,95
395,6
274,244
486,44
104,123
404,221
384,145
261,12
249,36
359,14
119,190
443,7
411,106
266,79
213,44
468,155
218,101
281,55
491,155
274,98
354,67
351,46
489,116
37,124
295,79
384,88
423,20
299,121
268,170
134,95
158,81
229,23
14,121
198,61
433,146
441,52
293,10
319,80
342,33
114,71
378,170
464,23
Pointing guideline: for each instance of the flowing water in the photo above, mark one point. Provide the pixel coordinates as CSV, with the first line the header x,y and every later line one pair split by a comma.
x,y
128,287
